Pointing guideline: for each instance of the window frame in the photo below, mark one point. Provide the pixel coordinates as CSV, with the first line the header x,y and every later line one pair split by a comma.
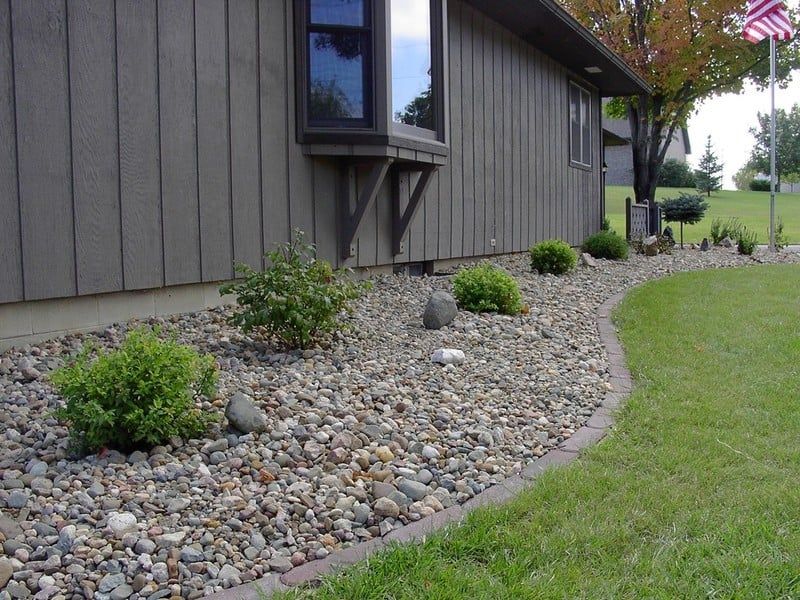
x,y
582,91
335,137
438,86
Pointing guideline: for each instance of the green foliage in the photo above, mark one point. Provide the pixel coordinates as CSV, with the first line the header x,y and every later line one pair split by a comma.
x,y
553,256
731,228
485,288
296,299
760,185
747,242
606,226
676,173
708,176
606,244
139,395
781,239
685,209
787,143
744,177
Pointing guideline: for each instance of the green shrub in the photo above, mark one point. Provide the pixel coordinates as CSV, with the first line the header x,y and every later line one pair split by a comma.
x,y
136,396
485,288
553,256
676,174
747,242
296,299
606,226
686,208
761,185
606,244
781,239
732,228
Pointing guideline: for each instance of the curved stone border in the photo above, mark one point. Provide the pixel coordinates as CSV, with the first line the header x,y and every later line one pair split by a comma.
x,y
594,430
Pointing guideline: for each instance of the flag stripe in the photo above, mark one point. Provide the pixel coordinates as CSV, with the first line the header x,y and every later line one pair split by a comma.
x,y
767,18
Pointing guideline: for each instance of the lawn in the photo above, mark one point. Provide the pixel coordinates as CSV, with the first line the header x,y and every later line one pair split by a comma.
x,y
694,495
752,208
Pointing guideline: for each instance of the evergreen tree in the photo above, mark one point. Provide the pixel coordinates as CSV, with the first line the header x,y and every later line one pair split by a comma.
x,y
709,172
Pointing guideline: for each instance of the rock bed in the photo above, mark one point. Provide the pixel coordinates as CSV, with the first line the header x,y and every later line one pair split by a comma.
x,y
363,436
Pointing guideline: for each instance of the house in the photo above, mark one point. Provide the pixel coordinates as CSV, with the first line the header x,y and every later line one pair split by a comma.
x,y
617,146
146,146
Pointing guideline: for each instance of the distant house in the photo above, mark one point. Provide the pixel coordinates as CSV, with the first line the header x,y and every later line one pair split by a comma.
x,y
618,157
145,147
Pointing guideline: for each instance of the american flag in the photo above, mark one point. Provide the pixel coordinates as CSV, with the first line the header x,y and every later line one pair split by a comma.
x,y
767,18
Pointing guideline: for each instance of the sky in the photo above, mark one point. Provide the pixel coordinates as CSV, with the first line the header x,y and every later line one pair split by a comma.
x,y
728,119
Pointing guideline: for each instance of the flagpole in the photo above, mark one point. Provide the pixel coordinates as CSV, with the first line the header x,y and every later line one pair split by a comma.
x,y
772,129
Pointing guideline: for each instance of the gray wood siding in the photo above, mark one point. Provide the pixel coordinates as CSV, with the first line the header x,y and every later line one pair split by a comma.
x,y
146,143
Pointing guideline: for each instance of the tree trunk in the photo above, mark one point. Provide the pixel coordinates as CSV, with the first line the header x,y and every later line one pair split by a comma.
x,y
681,235
649,144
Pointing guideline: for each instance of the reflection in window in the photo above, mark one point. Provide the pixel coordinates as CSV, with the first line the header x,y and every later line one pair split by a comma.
x,y
580,140
412,101
337,76
337,12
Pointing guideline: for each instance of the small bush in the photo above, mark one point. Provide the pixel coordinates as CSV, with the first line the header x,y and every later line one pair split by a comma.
x,y
747,242
296,299
685,209
781,239
139,395
732,228
606,244
761,185
676,174
606,225
553,256
485,288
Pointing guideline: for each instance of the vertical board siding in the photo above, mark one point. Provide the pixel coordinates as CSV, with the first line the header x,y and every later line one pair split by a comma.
x,y
146,143
95,160
213,141
243,35
11,289
275,80
178,102
44,149
139,156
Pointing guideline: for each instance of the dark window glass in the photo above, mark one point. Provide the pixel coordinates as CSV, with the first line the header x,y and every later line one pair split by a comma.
x,y
336,88
580,136
338,12
412,89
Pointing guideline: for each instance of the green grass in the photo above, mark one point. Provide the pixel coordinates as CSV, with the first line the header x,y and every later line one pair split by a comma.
x,y
695,495
752,208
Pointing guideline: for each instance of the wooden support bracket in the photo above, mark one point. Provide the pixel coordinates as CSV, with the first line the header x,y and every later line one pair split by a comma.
x,y
402,219
351,222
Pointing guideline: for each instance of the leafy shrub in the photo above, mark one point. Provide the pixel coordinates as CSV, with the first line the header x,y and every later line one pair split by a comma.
x,y
139,395
781,239
606,226
747,242
761,185
686,208
485,288
732,228
676,174
553,256
296,299
606,244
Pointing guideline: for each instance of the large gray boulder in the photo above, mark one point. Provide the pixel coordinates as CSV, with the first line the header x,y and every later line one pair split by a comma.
x,y
245,416
440,311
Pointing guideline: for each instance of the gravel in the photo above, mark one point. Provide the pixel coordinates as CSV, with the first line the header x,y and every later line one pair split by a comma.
x,y
347,441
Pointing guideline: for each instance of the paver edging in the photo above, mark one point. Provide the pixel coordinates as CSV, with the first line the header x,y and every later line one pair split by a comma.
x,y
595,429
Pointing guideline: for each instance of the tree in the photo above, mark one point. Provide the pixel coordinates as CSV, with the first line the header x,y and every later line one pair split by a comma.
x,y
418,112
675,173
744,177
686,208
708,175
687,51
787,142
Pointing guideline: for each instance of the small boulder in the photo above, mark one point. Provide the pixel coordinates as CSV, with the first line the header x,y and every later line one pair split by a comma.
x,y
726,242
704,246
588,260
122,523
650,245
440,311
386,508
448,356
245,416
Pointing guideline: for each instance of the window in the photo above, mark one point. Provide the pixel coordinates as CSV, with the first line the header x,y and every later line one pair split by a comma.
x,y
339,42
412,64
580,129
